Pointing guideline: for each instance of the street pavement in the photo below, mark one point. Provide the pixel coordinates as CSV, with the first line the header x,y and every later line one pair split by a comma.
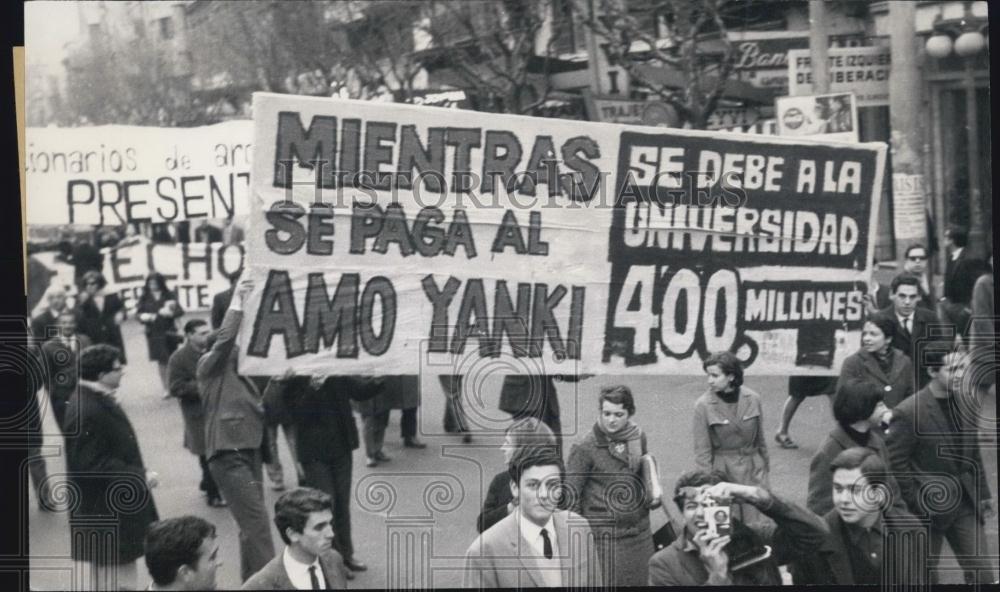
x,y
423,504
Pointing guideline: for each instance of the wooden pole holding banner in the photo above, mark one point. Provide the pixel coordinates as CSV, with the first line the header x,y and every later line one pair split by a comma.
x,y
905,114
819,42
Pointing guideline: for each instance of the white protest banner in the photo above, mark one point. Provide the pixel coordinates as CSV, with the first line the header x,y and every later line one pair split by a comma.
x,y
114,174
387,238
831,117
863,71
194,271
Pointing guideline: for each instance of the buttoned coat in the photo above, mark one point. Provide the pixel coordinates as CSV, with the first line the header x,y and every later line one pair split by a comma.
x,y
897,383
501,558
182,378
732,443
592,471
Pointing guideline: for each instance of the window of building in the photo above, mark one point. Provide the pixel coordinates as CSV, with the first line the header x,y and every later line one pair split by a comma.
x,y
166,25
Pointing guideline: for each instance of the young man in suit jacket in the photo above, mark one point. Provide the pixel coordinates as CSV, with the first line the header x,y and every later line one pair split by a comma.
x,y
934,446
911,322
309,562
234,432
869,535
536,545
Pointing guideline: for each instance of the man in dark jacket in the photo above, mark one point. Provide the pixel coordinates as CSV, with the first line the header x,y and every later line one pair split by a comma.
x,y
62,358
934,446
182,378
961,272
912,323
871,541
234,432
698,557
101,458
326,437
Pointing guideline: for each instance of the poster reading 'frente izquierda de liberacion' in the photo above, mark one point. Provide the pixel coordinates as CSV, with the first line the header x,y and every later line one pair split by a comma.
x,y
398,239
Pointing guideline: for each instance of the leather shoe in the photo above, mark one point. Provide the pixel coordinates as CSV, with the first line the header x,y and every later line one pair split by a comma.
x,y
371,462
348,574
467,438
414,443
381,457
355,565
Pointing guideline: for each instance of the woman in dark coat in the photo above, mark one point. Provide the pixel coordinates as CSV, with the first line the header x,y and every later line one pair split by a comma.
x,y
878,362
857,407
605,483
100,314
527,431
105,467
158,310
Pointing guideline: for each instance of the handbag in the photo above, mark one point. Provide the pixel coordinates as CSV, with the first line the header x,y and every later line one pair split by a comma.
x,y
665,534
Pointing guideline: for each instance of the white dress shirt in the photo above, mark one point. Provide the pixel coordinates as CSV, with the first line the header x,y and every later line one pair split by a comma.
x,y
906,323
532,533
298,572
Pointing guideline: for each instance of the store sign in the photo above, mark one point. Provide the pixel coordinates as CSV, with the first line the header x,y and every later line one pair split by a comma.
x,y
632,112
824,117
861,70
730,117
762,56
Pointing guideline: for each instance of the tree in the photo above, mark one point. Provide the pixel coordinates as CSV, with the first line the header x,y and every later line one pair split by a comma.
x,y
119,81
494,48
376,45
628,32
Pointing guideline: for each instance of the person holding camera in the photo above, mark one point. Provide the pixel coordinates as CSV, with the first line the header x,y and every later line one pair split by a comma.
x,y
606,459
717,550
870,538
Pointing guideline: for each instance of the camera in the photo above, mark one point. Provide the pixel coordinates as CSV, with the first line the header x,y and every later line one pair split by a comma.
x,y
718,518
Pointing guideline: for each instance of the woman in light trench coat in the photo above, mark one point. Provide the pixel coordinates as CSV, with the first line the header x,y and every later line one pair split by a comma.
x,y
729,428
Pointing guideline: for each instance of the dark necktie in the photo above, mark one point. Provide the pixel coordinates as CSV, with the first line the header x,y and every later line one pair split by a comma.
x,y
546,544
313,580
906,324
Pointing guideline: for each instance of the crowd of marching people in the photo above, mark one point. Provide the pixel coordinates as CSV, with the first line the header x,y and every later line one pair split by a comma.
x,y
904,410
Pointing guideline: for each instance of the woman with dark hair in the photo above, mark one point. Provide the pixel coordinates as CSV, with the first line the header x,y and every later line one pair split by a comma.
x,y
604,483
105,469
857,407
729,426
527,431
100,314
158,310
880,363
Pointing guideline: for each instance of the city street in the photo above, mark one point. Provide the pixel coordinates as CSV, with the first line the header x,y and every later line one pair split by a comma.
x,y
423,501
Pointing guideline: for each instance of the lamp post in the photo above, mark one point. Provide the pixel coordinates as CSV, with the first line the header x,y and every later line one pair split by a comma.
x,y
965,38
